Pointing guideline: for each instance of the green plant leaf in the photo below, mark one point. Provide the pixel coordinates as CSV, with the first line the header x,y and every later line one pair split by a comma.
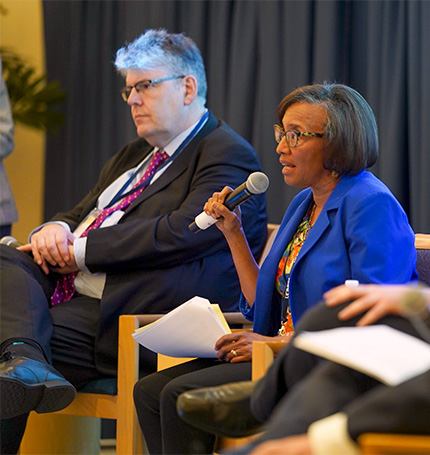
x,y
32,98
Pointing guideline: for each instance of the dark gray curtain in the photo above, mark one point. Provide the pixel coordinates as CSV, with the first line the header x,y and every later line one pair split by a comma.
x,y
255,53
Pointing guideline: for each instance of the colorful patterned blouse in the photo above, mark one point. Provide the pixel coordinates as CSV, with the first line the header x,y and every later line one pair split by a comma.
x,y
285,266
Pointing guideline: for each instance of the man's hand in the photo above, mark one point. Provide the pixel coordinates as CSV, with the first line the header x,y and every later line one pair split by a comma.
x,y
70,266
375,301
52,249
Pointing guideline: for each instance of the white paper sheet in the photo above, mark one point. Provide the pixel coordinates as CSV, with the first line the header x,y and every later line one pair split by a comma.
x,y
380,351
190,330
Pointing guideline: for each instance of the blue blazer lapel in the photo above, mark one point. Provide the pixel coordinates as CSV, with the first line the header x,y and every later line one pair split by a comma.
x,y
286,232
323,222
295,219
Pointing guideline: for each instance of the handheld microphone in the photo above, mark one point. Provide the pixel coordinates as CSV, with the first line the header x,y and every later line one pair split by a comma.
x,y
8,240
257,183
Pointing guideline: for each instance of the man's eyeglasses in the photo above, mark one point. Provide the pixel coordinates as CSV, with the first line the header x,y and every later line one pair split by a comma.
x,y
141,86
291,136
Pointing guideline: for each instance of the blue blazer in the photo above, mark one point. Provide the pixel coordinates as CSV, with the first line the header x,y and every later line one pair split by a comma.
x,y
362,233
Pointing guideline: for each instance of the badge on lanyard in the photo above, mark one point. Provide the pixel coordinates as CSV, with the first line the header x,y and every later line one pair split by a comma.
x,y
87,222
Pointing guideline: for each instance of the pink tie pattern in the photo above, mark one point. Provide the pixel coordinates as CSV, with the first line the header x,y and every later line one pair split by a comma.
x,y
65,288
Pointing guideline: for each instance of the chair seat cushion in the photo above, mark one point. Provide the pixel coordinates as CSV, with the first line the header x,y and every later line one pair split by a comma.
x,y
423,266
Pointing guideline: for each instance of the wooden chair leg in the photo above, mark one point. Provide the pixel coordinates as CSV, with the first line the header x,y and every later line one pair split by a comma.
x,y
43,436
128,431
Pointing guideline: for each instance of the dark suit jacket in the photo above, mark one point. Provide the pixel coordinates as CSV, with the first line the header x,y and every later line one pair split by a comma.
x,y
152,260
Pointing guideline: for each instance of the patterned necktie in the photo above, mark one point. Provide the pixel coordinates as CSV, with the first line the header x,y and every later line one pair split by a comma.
x,y
65,288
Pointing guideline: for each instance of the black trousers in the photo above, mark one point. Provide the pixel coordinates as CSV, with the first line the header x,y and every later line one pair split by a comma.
x,y
155,399
66,333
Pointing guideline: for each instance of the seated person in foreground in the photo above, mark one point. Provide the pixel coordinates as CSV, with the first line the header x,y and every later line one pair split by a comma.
x,y
310,405
345,224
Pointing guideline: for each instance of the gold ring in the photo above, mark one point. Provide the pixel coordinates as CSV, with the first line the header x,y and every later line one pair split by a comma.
x,y
234,352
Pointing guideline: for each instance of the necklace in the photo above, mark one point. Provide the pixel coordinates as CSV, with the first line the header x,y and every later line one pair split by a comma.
x,y
288,262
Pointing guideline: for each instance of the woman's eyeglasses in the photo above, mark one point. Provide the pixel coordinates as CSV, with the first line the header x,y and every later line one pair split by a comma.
x,y
291,136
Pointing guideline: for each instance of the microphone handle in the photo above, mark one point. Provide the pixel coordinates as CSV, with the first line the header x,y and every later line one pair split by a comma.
x,y
203,220
236,197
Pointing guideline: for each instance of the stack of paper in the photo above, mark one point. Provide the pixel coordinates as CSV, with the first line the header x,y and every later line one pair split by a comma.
x,y
379,351
190,330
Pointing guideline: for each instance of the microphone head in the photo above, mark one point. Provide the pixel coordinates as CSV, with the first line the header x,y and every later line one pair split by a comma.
x,y
413,302
7,240
257,183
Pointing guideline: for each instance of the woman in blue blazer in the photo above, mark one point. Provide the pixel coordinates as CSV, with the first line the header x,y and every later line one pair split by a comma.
x,y
344,225
362,233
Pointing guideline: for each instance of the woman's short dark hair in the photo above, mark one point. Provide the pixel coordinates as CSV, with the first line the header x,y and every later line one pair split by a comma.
x,y
351,133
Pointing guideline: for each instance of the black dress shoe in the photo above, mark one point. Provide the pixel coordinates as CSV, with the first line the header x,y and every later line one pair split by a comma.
x,y
223,410
27,385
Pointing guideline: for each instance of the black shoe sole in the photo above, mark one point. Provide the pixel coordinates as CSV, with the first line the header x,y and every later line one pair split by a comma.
x,y
19,398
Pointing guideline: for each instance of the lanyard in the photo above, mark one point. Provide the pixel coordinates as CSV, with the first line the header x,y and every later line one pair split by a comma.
x,y
119,195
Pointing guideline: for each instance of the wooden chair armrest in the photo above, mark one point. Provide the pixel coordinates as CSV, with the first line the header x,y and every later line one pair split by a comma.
x,y
388,444
128,348
263,354
144,319
422,241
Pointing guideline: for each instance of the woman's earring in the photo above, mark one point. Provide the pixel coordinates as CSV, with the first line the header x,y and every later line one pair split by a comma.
x,y
334,174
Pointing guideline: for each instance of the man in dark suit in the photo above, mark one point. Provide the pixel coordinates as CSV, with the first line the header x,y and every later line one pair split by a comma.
x,y
334,405
326,410
126,247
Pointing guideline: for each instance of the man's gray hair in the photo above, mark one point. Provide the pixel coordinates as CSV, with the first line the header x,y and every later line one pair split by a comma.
x,y
156,48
